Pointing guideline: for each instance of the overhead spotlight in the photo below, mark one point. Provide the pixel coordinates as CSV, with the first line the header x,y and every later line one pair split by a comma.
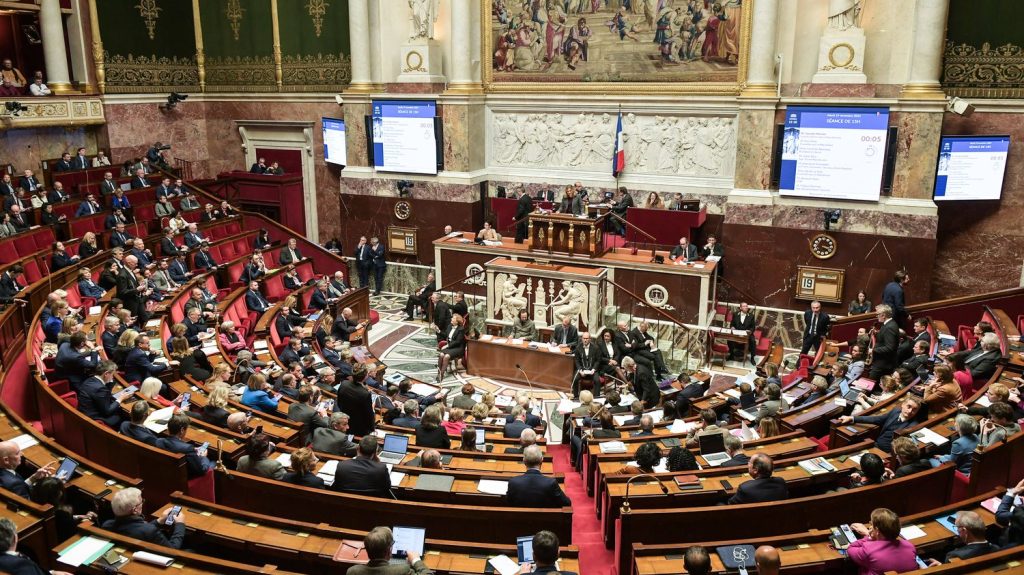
x,y
960,107
14,108
832,217
172,101
404,187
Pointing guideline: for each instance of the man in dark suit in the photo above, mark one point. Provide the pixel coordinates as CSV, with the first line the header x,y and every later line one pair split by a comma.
x,y
178,270
545,554
692,388
647,348
28,182
81,161
10,460
763,487
533,488
64,163
514,429
982,363
644,386
588,362
623,339
139,180
75,361
164,189
193,238
88,207
816,326
442,316
290,253
619,208
547,195
380,264
254,300
129,521
524,207
320,299
6,185
108,185
354,400
9,285
196,461
365,474
420,297
743,320
379,544
971,534
167,246
138,365
889,423
894,296
129,291
260,167
344,327
12,562
18,219
203,259
734,448
410,415
919,360
566,334
887,344
95,399
334,437
683,252
364,261
57,194
920,334
135,427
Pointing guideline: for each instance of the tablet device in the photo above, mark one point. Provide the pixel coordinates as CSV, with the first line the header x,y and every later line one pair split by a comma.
x,y
480,436
67,469
524,546
407,539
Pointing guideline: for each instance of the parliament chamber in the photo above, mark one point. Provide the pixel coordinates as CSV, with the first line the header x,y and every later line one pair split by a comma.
x,y
595,287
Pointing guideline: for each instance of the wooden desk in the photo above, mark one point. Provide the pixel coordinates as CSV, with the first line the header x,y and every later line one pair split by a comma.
x,y
566,234
499,360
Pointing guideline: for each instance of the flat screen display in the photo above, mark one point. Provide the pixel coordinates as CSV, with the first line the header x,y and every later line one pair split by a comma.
x,y
833,153
334,141
971,167
403,136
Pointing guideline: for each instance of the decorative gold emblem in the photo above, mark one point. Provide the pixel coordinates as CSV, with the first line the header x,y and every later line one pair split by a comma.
x,y
403,210
541,236
317,10
841,55
234,12
149,12
414,62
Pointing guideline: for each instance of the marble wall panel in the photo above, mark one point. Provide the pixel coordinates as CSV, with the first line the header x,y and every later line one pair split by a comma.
x,y
355,132
755,134
457,142
132,128
26,148
917,143
422,189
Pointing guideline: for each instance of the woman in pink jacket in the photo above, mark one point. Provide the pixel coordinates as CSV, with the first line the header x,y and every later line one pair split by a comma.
x,y
880,548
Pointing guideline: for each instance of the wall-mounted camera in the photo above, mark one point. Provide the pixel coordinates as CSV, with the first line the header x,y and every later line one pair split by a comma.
x,y
404,187
14,108
960,107
832,217
172,101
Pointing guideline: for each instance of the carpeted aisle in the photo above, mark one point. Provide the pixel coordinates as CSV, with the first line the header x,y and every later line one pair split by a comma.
x,y
586,529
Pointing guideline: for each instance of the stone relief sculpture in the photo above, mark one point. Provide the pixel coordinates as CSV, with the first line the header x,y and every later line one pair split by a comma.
x,y
687,146
422,17
512,297
571,302
843,14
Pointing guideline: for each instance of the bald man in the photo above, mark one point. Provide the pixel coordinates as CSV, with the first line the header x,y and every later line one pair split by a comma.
x,y
767,560
10,459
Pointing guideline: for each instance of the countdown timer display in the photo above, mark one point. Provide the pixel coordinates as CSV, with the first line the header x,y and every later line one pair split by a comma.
x,y
833,153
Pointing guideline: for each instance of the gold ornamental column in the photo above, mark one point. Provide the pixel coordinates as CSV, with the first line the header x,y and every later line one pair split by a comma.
x,y
197,26
278,71
97,47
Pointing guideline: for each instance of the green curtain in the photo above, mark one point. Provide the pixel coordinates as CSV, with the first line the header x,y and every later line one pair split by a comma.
x,y
238,39
146,47
314,44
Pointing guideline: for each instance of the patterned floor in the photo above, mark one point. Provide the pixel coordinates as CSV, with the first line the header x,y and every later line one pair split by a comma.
x,y
410,347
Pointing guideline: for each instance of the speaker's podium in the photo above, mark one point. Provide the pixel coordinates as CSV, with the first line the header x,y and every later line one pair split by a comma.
x,y
566,234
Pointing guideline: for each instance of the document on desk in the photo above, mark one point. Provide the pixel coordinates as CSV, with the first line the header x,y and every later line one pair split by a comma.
x,y
24,441
912,532
504,565
396,478
423,389
285,459
327,471
682,426
566,405
260,344
435,482
153,558
492,487
733,392
84,551
157,421
612,447
926,435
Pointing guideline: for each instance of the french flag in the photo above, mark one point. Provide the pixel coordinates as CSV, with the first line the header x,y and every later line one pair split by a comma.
x,y
619,157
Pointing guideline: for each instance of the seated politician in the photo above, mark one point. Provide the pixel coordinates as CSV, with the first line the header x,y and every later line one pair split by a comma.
x,y
365,474
763,487
379,544
533,488
129,521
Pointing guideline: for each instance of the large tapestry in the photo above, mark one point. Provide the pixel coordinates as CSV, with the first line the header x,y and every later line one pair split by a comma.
x,y
145,46
656,45
315,45
984,49
238,38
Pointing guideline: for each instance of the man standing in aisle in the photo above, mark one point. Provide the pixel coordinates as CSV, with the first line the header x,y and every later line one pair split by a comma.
x,y
816,325
379,264
894,296
364,261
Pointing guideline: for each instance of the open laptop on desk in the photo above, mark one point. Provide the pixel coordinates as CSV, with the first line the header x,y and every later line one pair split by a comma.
x,y
848,394
407,539
712,448
394,449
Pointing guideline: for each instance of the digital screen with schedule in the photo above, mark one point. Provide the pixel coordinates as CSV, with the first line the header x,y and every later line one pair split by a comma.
x,y
833,153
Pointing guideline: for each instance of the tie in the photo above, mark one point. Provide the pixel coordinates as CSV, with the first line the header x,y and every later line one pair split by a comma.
x,y
814,324
564,336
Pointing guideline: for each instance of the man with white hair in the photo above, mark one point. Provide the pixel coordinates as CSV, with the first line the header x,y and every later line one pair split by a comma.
x,y
10,459
193,239
526,439
533,488
982,362
128,520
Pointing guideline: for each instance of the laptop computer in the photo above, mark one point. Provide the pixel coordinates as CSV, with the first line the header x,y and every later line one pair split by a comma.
x,y
712,448
847,393
407,539
524,547
394,448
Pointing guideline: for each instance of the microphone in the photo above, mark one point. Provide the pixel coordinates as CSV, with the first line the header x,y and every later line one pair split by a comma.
x,y
528,382
624,510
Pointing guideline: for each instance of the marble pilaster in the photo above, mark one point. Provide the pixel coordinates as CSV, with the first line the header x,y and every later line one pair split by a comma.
x,y
761,65
457,142
355,130
926,57
754,134
359,43
918,133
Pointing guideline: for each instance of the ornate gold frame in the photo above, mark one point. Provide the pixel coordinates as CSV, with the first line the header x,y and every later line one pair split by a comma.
x,y
625,88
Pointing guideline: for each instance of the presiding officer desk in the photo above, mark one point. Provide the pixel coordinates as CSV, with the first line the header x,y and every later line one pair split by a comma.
x,y
812,551
310,547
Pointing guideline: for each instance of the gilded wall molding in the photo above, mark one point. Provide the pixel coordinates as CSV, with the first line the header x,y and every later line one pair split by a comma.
x,y
242,74
126,74
149,12
235,13
985,72
316,72
57,112
317,9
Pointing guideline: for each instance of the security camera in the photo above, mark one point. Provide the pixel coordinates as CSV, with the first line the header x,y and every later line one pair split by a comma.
x,y
404,187
832,217
338,99
960,107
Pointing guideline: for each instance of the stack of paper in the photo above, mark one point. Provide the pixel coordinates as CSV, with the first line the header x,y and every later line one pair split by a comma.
x,y
285,459
396,478
84,551
328,471
25,441
503,565
912,532
732,392
153,558
492,487
681,426
926,435
424,389
260,344
613,447
160,415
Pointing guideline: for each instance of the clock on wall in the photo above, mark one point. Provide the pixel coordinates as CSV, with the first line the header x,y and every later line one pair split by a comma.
x,y
823,246
403,210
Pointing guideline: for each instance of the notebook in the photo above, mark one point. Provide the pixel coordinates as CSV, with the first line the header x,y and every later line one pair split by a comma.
x,y
351,552
434,482
394,449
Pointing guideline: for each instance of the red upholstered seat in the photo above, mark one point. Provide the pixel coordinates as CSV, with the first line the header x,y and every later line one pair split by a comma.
x,y
718,348
961,487
761,343
72,399
202,487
